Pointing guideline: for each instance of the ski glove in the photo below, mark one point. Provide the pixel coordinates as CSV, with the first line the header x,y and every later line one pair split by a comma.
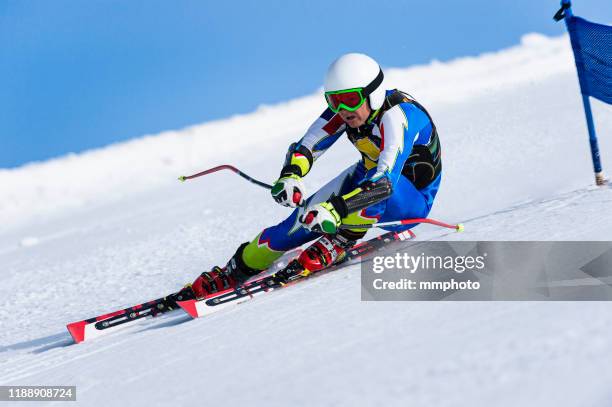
x,y
289,191
322,218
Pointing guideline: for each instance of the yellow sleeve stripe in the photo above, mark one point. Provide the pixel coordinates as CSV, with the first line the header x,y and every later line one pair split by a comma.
x,y
301,161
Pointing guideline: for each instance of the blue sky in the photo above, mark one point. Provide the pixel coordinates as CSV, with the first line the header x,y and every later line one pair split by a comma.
x,y
78,74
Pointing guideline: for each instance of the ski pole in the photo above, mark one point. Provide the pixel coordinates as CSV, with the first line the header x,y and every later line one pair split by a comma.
x,y
458,227
183,178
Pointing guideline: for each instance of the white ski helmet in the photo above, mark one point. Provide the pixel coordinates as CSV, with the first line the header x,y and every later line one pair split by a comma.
x,y
357,71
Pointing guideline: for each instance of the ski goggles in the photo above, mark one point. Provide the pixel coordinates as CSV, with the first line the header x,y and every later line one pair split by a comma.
x,y
348,99
352,99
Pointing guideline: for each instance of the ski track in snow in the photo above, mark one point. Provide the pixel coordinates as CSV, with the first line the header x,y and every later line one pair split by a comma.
x,y
516,167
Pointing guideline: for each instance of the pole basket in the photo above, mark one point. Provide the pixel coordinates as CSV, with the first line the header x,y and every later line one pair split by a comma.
x,y
600,180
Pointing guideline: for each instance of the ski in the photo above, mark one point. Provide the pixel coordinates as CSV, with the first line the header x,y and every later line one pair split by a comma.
x,y
110,322
223,299
106,323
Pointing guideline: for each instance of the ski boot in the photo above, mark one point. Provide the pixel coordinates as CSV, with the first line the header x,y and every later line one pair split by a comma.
x,y
170,302
233,275
327,251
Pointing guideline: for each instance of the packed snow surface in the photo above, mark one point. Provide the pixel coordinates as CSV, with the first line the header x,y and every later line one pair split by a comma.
x,y
90,233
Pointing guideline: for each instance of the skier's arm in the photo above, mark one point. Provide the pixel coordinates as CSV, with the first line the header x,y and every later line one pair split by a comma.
x,y
288,190
321,134
401,127
398,136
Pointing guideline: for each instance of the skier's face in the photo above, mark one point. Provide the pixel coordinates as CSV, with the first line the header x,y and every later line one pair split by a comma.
x,y
358,117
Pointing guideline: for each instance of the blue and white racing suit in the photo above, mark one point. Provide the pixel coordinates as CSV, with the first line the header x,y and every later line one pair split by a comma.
x,y
397,177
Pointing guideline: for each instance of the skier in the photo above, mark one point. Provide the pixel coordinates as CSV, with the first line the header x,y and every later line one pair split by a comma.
x,y
397,177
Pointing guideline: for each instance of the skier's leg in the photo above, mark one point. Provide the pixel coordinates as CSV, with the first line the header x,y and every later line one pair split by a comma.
x,y
331,249
362,217
273,241
406,202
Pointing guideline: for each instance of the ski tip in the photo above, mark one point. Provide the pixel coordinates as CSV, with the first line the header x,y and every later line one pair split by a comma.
x,y
182,178
460,227
77,330
189,306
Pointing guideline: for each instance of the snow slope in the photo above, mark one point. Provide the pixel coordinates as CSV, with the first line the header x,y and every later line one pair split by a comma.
x,y
89,233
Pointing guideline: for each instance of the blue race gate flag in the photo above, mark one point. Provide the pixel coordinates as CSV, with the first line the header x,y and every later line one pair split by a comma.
x,y
592,46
